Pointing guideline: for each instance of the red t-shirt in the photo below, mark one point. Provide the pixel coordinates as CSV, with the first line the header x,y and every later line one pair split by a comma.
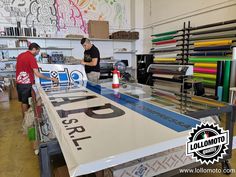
x,y
24,68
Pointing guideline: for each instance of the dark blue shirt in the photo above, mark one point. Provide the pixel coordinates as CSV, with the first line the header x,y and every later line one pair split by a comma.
x,y
88,56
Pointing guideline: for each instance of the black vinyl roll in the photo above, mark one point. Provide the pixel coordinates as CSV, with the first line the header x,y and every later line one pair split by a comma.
x,y
210,54
219,75
210,48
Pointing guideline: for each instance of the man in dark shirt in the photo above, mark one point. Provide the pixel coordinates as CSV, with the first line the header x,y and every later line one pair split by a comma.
x,y
91,60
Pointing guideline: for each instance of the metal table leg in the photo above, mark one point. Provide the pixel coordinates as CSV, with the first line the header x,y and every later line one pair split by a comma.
x,y
46,150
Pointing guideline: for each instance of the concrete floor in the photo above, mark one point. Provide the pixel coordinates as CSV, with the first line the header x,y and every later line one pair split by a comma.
x,y
17,158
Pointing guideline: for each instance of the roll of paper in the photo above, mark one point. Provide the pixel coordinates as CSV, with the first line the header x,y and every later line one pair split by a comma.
x,y
234,54
166,55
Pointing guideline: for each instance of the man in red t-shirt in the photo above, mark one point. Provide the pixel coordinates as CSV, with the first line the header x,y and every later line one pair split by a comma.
x,y
26,67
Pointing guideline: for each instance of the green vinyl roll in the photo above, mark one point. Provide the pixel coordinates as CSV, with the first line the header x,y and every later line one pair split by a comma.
x,y
207,82
166,33
226,81
163,38
207,60
205,76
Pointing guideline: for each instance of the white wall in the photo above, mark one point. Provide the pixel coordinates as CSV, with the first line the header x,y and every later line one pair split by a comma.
x,y
63,17
167,15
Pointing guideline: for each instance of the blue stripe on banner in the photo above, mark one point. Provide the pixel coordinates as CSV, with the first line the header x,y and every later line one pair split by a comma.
x,y
167,118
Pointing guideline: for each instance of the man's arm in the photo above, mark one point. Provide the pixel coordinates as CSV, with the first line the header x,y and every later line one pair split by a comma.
x,y
39,75
92,63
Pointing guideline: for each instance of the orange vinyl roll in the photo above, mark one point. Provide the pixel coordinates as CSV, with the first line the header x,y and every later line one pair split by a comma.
x,y
205,65
208,101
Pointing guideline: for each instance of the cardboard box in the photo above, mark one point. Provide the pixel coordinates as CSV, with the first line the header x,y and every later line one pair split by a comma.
x,y
12,90
98,29
62,172
125,35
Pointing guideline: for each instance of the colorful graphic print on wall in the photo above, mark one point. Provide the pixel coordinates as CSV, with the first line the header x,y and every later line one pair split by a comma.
x,y
63,16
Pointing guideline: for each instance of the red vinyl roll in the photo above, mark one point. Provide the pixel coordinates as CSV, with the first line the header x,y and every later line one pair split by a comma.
x,y
165,42
205,70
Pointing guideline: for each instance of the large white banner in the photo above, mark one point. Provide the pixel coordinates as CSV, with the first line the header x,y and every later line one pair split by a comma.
x,y
98,128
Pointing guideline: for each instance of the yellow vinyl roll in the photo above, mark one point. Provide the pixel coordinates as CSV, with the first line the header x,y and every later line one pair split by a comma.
x,y
207,76
213,43
205,65
164,59
207,101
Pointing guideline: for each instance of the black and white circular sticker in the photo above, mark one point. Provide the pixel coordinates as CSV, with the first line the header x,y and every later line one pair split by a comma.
x,y
207,143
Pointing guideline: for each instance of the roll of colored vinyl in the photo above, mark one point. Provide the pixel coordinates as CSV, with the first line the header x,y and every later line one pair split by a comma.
x,y
209,54
165,42
209,82
207,101
206,76
233,74
166,33
207,60
165,46
163,38
164,59
206,81
225,36
210,48
205,65
219,93
213,43
169,49
226,81
204,70
166,55
234,53
219,75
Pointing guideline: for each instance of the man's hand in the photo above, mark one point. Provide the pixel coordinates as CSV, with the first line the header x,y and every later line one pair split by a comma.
x,y
54,80
82,62
92,63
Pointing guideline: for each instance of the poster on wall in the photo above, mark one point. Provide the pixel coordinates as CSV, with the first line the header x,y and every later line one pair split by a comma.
x,y
61,17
